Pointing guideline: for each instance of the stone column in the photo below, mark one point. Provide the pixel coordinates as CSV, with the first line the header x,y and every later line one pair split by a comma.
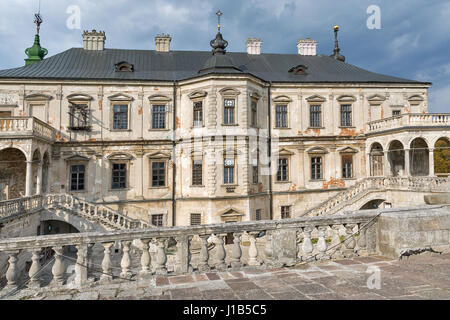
x,y
431,162
98,193
386,166
39,179
139,174
29,179
407,164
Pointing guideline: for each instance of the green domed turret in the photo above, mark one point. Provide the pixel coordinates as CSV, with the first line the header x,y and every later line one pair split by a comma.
x,y
36,53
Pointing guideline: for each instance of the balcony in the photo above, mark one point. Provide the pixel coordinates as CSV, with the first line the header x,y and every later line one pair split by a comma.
x,y
26,127
409,120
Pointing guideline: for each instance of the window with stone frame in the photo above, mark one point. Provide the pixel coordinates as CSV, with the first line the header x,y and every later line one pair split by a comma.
x,y
229,111
347,166
285,212
159,117
119,176
315,116
196,219
281,116
120,117
158,173
316,168
158,220
258,214
78,116
77,177
198,114
396,113
197,172
283,169
254,113
346,115
255,173
228,171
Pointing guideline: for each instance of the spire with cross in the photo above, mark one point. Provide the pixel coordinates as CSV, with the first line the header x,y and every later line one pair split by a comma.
x,y
219,44
219,14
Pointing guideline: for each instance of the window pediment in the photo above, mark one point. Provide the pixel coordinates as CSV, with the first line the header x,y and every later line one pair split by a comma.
x,y
76,158
120,97
197,94
415,99
346,98
79,97
230,152
159,98
255,95
316,98
38,97
317,150
347,150
230,212
376,98
284,152
159,155
282,99
229,92
120,156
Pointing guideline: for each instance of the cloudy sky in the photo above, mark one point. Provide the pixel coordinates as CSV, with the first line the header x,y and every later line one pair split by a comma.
x,y
413,41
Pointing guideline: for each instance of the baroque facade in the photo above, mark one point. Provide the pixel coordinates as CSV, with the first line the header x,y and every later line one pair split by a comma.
x,y
191,137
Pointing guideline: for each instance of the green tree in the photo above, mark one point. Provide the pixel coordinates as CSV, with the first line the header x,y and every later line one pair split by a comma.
x,y
442,157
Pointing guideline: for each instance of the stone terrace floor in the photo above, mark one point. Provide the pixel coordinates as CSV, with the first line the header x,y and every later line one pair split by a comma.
x,y
420,277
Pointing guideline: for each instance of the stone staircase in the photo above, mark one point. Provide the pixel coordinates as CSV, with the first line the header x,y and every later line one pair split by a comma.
x,y
106,217
367,186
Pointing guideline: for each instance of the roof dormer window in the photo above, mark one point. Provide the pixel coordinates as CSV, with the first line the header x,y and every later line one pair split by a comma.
x,y
300,69
124,67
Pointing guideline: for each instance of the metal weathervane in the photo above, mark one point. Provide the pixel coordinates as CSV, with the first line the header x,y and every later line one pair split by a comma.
x,y
38,18
219,14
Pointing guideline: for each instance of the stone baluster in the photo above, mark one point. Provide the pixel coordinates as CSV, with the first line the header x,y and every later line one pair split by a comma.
x,y
362,241
322,244
350,243
59,268
183,264
145,259
204,254
253,250
106,263
12,273
335,244
307,245
161,257
220,253
35,278
125,263
236,252
81,269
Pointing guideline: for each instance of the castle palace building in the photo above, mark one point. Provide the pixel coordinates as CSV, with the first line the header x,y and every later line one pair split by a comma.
x,y
199,137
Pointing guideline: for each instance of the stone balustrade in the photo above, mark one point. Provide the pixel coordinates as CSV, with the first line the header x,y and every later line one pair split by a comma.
x,y
92,212
342,199
26,126
287,242
409,119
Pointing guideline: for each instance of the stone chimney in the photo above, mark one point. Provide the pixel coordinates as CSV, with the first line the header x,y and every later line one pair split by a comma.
x,y
163,42
94,40
307,47
254,46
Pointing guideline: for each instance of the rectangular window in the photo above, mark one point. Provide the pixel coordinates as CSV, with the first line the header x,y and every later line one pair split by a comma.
x,y
282,171
198,114
78,116
346,115
229,105
197,173
281,116
316,168
119,176
196,219
77,174
396,113
254,110
157,220
158,117
258,214
285,212
158,174
255,173
228,172
347,166
315,116
120,120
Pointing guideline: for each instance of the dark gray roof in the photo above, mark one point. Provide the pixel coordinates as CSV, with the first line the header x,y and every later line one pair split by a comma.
x,y
77,63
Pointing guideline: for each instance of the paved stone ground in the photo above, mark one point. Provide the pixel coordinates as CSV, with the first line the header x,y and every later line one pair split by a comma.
x,y
420,277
